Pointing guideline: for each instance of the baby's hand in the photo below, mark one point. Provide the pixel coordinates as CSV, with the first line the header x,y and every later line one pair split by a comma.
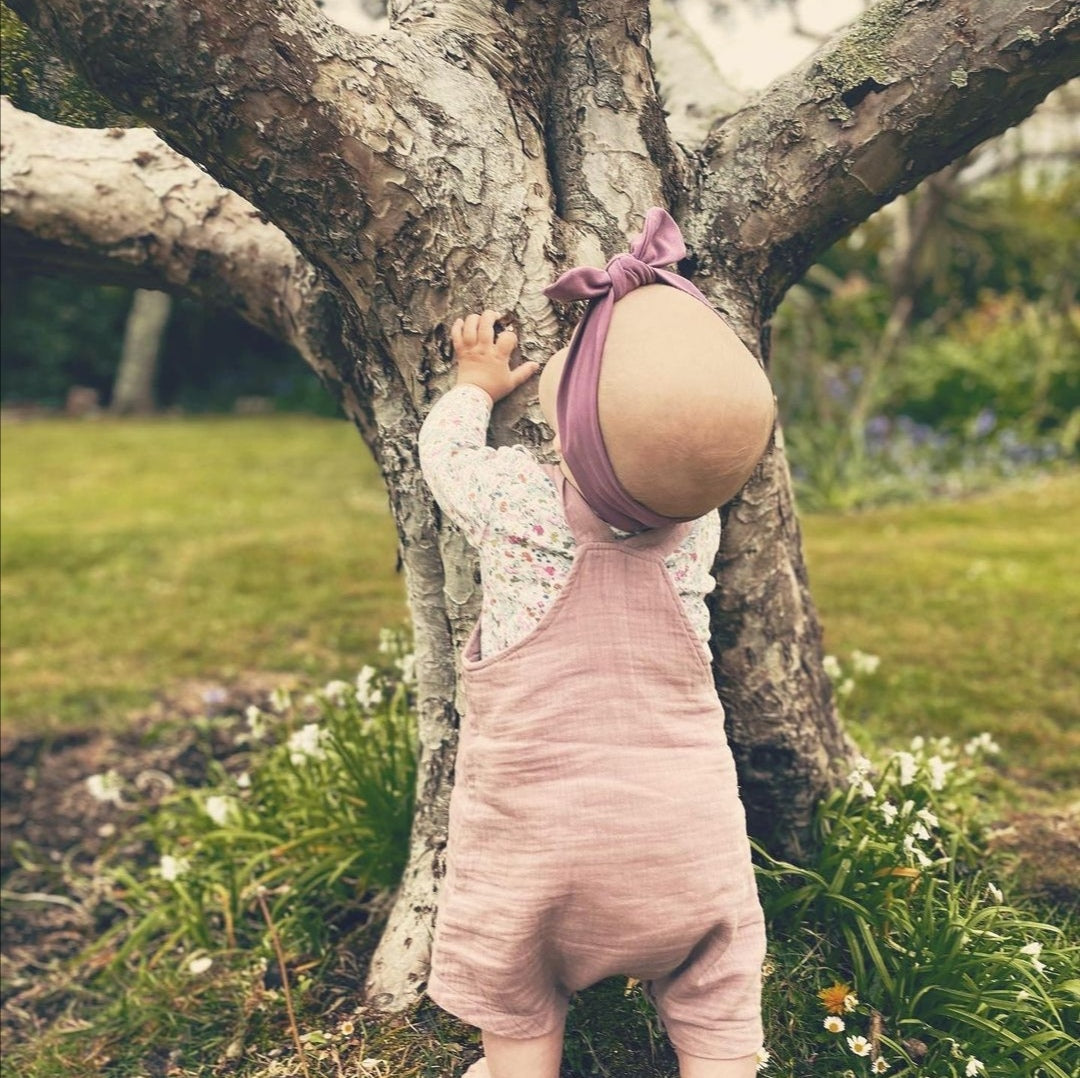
x,y
484,361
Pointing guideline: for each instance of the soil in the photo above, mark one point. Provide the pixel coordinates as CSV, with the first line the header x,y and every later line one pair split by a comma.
x,y
52,830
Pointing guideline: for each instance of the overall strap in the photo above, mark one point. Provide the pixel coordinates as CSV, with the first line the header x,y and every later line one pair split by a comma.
x,y
589,528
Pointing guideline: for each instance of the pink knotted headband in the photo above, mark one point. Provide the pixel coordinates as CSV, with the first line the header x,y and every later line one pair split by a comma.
x,y
577,408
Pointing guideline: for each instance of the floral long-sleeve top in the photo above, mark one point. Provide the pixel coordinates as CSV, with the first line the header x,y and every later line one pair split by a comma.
x,y
507,507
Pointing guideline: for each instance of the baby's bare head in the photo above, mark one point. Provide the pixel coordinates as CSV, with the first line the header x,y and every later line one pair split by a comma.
x,y
685,409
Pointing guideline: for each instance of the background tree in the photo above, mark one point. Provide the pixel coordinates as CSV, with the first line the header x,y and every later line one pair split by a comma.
x,y
460,160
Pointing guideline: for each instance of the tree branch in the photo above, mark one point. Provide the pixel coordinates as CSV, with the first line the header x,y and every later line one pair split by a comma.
x,y
121,206
907,88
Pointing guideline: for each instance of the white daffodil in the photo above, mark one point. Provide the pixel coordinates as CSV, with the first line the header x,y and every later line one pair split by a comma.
x,y
928,818
846,687
305,743
834,1024
974,1067
831,666
918,743
889,811
172,868
219,808
106,787
995,893
280,701
243,780
918,829
859,1045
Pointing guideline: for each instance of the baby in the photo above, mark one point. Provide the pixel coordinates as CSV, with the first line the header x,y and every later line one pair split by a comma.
x,y
595,825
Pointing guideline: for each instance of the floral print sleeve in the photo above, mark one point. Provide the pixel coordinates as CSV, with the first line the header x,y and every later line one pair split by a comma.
x,y
509,509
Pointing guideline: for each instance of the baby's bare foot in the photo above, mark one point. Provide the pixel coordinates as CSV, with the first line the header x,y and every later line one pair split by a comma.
x,y
478,1070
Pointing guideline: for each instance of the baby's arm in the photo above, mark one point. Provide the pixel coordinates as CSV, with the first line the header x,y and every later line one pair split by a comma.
x,y
463,472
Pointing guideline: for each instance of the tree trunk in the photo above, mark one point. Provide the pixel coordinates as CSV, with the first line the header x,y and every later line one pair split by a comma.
x,y
144,332
471,153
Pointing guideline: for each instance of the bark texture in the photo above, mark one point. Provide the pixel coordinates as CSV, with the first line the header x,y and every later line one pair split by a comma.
x,y
474,150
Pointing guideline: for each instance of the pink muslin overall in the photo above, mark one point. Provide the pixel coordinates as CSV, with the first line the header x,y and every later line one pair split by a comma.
x,y
595,823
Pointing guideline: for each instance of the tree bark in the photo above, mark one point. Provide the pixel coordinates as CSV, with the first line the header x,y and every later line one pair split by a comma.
x,y
472,152
133,387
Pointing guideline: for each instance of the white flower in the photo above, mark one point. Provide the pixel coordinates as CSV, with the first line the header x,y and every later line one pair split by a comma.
x,y
200,964
918,829
761,1058
915,852
918,742
974,1067
845,687
280,701
256,722
243,780
407,666
172,868
831,665
219,808
939,770
859,1045
981,743
880,1066
889,811
367,693
335,692
1034,950
304,744
105,787
851,1001
995,893
864,663
857,778
928,818
834,1024
908,768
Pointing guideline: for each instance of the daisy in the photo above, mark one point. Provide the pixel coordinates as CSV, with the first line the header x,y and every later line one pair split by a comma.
x,y
834,1024
859,1045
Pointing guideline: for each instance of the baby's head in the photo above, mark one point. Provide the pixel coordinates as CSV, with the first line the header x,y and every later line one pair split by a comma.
x,y
685,409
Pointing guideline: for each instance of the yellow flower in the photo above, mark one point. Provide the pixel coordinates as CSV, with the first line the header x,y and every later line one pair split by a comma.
x,y
833,998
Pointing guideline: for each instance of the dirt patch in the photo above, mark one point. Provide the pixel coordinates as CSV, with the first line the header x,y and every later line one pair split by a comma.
x,y
53,829
1045,848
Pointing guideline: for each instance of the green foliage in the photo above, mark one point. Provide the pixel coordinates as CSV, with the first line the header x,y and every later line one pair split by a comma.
x,y
1006,363
319,822
41,83
919,957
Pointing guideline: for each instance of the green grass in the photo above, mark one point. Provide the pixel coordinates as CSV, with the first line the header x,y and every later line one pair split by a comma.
x,y
974,608
136,554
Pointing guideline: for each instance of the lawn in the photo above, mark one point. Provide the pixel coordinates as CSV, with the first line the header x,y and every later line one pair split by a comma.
x,y
136,554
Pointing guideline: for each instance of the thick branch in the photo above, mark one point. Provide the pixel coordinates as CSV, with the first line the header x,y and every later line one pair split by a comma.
x,y
909,87
120,206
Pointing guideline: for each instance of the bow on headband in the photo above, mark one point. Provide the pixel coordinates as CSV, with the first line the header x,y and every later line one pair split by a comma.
x,y
577,411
